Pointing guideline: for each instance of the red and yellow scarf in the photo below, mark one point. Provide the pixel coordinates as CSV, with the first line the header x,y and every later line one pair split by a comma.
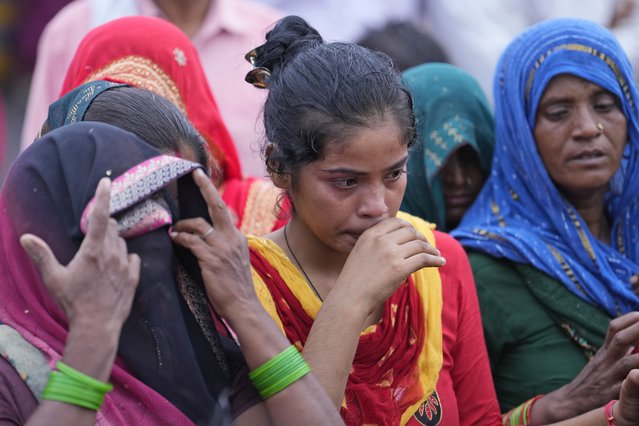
x,y
397,362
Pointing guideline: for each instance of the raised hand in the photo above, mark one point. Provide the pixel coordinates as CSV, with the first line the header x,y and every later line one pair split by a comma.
x,y
600,380
383,258
98,285
222,252
626,411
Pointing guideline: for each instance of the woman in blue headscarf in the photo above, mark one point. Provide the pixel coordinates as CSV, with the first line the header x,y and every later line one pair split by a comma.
x,y
554,234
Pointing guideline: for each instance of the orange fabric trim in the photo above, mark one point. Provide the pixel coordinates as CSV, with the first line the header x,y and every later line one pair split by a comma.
x,y
259,214
143,73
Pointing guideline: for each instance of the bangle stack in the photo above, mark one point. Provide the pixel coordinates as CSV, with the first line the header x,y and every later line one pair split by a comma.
x,y
68,385
610,418
279,372
520,415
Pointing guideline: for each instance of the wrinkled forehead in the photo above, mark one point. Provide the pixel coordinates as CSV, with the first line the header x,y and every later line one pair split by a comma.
x,y
580,61
563,46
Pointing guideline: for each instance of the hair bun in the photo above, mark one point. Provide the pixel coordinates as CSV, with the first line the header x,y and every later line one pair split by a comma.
x,y
290,36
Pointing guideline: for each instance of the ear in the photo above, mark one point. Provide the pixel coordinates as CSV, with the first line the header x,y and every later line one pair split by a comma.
x,y
281,180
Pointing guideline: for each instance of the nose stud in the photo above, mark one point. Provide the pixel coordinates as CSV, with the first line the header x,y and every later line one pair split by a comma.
x,y
600,127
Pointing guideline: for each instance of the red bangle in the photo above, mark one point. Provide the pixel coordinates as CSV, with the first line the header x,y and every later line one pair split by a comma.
x,y
608,413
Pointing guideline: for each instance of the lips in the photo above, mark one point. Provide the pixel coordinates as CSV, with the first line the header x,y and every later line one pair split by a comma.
x,y
589,154
458,200
355,235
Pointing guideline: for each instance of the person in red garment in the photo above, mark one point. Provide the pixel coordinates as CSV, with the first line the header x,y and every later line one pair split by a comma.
x,y
390,328
120,51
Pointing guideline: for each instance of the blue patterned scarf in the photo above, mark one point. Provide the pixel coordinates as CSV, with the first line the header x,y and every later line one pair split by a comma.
x,y
520,215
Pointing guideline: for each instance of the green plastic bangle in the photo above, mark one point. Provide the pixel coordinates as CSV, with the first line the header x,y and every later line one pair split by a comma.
x,y
289,363
276,361
83,378
285,381
279,372
73,387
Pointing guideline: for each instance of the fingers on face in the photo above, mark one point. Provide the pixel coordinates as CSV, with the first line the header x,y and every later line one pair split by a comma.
x,y
405,234
390,225
422,260
193,234
217,208
418,247
40,253
413,242
196,226
99,216
134,269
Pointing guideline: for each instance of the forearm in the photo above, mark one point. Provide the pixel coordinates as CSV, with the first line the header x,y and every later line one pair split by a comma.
x,y
303,401
592,418
554,407
91,352
332,343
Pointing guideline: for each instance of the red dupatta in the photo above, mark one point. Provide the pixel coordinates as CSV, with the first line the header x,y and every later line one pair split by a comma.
x,y
397,362
154,54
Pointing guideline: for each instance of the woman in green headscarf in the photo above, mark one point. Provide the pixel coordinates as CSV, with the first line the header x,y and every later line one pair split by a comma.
x,y
455,134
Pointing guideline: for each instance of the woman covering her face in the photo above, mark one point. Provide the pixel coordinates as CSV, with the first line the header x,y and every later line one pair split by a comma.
x,y
455,139
153,54
554,236
177,360
165,359
393,336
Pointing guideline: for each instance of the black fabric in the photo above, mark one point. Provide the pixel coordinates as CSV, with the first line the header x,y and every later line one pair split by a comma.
x,y
161,343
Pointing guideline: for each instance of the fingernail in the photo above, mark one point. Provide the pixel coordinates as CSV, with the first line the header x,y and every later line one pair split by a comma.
x,y
442,260
439,253
173,234
31,248
199,172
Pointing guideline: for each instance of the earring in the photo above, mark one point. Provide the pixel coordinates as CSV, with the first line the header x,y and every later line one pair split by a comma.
x,y
600,127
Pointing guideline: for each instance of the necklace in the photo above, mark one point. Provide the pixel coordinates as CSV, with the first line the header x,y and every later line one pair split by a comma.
x,y
300,265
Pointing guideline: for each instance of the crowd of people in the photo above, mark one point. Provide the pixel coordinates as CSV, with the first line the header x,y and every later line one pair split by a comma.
x,y
403,253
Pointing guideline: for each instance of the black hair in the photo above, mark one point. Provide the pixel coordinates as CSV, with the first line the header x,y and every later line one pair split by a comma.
x,y
318,91
405,43
149,116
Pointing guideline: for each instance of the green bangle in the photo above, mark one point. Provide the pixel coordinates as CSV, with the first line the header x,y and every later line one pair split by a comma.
x,y
279,372
73,387
64,389
83,378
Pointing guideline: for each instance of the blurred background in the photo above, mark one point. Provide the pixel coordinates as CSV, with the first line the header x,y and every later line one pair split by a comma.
x,y
467,33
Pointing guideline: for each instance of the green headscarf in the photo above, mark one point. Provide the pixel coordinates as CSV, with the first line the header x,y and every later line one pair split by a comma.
x,y
451,111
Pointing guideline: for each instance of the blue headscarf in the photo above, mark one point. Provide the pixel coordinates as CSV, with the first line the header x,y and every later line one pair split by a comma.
x,y
520,215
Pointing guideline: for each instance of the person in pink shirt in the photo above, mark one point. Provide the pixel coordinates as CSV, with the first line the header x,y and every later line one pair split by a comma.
x,y
221,30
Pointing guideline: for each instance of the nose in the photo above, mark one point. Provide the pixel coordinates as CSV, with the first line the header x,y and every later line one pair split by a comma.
x,y
453,173
373,203
586,124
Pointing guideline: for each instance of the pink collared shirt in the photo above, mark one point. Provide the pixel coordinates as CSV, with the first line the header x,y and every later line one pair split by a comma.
x,y
230,29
